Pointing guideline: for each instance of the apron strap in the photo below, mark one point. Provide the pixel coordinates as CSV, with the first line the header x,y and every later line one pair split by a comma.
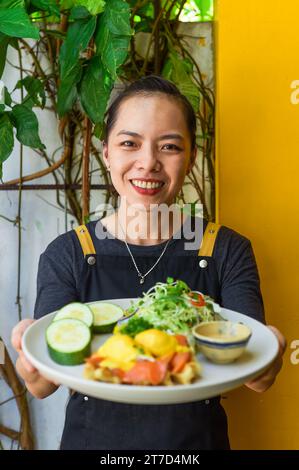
x,y
209,239
206,247
85,240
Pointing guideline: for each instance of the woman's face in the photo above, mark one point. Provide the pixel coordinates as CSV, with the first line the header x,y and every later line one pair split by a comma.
x,y
149,150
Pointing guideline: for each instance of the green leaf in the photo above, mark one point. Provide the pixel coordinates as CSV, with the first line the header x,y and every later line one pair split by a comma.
x,y
66,97
26,124
67,91
78,13
67,4
204,6
47,5
6,138
11,4
117,17
95,89
93,6
113,33
191,92
4,41
143,26
99,130
35,89
77,39
112,49
147,11
7,97
15,22
55,33
179,71
13,42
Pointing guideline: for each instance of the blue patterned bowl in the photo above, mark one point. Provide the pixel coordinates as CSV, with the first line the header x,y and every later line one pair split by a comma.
x,y
221,341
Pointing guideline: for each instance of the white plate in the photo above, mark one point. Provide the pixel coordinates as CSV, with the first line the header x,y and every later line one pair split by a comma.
x,y
215,379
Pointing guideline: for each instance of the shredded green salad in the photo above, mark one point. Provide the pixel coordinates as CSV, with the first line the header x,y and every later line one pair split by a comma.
x,y
170,306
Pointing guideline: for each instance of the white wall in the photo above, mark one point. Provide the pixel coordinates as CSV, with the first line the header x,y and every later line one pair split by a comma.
x,y
41,223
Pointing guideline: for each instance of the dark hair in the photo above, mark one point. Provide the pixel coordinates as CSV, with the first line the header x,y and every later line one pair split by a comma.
x,y
147,86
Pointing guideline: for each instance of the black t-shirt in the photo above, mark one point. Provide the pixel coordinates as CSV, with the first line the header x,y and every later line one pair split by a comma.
x,y
61,263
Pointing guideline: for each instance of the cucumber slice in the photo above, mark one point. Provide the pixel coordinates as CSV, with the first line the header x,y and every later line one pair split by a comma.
x,y
76,310
105,315
68,341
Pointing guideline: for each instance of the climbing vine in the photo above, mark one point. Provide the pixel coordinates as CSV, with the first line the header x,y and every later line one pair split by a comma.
x,y
79,50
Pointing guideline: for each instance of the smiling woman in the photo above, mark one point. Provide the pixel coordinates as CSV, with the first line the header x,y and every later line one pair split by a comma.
x,y
149,147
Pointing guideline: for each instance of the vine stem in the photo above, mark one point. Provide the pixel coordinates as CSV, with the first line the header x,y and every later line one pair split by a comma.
x,y
157,8
40,71
24,435
86,155
18,299
85,169
40,173
13,221
155,25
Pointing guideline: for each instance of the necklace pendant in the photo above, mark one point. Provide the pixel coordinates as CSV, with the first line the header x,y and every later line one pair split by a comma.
x,y
141,280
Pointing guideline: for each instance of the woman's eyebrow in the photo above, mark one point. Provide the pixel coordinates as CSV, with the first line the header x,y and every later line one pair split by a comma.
x,y
171,136
133,134
162,137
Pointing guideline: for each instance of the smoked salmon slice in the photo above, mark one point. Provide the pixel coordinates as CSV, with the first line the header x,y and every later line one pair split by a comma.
x,y
178,361
147,372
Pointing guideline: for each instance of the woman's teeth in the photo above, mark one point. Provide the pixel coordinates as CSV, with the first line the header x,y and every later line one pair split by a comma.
x,y
146,184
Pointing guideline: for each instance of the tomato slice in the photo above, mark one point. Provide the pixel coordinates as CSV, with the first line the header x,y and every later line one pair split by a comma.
x,y
197,299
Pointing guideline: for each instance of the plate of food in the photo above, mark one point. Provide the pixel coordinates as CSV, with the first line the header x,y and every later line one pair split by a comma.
x,y
172,345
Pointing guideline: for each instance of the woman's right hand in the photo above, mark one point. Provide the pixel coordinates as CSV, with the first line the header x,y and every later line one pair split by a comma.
x,y
35,383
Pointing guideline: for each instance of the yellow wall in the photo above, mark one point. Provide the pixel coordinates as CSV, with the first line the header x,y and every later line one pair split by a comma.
x,y
257,58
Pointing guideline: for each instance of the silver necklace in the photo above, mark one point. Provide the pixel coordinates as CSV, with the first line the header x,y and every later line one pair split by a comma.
x,y
142,276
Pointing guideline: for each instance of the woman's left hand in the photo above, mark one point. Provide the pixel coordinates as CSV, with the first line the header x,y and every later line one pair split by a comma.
x,y
264,381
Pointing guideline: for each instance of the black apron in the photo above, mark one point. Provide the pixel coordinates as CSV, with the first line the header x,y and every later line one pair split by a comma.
x,y
99,424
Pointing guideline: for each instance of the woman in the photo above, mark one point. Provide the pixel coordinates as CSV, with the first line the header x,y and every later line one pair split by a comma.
x,y
149,148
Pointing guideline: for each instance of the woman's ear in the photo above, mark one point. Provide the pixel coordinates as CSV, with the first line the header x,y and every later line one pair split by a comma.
x,y
192,160
105,154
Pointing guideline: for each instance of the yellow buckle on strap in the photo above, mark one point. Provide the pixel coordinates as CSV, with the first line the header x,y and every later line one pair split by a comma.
x,y
206,247
209,239
85,240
